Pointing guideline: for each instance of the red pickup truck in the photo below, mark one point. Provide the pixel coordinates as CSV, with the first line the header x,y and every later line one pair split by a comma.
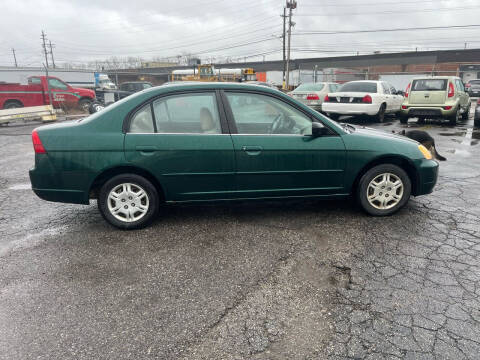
x,y
35,93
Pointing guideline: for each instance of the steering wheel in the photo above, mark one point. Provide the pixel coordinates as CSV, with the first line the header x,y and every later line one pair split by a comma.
x,y
275,124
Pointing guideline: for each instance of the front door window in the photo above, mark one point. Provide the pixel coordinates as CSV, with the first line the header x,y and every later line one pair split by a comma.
x,y
265,115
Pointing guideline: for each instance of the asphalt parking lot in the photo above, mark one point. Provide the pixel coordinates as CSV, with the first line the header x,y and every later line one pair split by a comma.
x,y
276,280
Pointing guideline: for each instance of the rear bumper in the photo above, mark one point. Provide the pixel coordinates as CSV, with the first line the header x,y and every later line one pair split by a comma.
x,y
427,177
431,111
50,185
350,109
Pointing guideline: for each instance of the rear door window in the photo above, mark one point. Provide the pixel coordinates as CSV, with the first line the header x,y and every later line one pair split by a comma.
x,y
142,121
187,113
386,89
459,85
429,85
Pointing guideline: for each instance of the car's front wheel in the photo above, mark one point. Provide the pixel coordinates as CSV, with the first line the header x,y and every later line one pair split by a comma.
x,y
384,189
128,201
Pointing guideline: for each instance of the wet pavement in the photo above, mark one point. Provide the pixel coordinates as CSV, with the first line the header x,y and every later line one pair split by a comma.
x,y
276,280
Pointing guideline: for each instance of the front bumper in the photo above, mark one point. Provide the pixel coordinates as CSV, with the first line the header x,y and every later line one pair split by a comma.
x,y
427,172
350,109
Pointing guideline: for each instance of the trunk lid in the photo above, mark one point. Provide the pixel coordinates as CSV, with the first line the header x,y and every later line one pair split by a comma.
x,y
427,97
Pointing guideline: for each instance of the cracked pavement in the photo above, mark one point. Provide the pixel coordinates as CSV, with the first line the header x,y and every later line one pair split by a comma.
x,y
275,280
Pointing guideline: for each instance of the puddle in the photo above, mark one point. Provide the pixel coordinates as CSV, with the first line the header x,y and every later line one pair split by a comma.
x,y
474,143
387,124
20,187
458,133
476,134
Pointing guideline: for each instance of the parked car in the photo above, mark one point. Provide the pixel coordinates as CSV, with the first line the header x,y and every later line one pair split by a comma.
x,y
438,97
135,86
472,87
262,83
313,94
363,97
476,118
36,93
221,141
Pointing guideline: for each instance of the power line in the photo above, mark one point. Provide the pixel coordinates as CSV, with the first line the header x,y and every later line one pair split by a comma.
x,y
321,32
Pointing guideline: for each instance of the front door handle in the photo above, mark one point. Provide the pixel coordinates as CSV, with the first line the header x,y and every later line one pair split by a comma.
x,y
252,150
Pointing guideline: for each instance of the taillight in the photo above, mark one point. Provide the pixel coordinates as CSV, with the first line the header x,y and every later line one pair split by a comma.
x,y
367,99
467,85
447,107
312,97
326,99
451,90
404,107
408,90
37,143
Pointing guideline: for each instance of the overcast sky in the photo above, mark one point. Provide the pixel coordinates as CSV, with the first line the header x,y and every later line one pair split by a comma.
x,y
90,30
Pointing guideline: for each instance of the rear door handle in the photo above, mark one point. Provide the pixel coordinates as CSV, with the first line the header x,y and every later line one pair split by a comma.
x,y
146,149
252,150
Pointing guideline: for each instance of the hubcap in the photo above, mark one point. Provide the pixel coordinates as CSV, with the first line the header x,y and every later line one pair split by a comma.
x,y
128,202
385,191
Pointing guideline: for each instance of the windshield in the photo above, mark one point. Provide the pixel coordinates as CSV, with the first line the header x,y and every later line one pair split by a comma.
x,y
429,85
310,87
368,87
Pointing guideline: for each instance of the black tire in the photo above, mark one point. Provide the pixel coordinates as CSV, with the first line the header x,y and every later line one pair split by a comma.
x,y
453,119
369,176
84,104
476,120
137,181
95,106
12,104
466,112
380,117
403,119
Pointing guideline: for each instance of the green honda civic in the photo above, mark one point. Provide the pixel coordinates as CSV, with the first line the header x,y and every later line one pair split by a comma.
x,y
221,141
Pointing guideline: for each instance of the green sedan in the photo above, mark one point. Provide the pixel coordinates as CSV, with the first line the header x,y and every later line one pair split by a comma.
x,y
221,141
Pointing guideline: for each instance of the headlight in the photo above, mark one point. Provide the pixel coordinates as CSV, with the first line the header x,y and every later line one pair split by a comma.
x,y
427,154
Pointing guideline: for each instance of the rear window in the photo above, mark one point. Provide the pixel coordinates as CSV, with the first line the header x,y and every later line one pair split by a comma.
x,y
474,82
310,87
429,85
369,87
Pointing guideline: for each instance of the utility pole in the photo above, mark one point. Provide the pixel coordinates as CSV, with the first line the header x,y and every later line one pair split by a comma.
x,y
284,38
51,52
291,4
44,37
14,57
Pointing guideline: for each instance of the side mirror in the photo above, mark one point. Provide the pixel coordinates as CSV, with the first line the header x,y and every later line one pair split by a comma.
x,y
319,130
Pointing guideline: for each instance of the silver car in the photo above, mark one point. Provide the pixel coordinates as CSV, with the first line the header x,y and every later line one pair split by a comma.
x,y
313,94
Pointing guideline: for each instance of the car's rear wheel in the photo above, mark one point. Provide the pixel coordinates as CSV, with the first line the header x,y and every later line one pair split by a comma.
x,y
384,189
466,112
453,119
128,201
12,104
84,104
381,113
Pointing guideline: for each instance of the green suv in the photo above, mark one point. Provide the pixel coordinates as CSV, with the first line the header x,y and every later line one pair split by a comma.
x,y
216,142
436,97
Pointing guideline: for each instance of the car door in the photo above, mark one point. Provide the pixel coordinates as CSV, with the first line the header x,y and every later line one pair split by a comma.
x,y
463,96
387,96
397,99
275,153
62,94
183,140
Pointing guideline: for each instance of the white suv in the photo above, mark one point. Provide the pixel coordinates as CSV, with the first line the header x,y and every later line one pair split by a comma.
x,y
364,97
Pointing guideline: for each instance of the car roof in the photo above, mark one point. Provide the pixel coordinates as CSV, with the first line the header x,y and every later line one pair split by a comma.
x,y
210,85
435,77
